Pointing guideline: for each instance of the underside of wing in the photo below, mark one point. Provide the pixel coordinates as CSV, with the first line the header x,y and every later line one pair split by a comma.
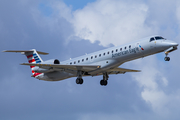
x,y
85,68
122,70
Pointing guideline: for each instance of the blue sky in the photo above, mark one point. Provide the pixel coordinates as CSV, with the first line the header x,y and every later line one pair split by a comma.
x,y
77,4
67,29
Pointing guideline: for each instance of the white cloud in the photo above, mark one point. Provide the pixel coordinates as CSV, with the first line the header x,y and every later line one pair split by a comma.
x,y
112,22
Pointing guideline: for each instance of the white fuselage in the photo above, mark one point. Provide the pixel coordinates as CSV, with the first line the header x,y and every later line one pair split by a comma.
x,y
111,57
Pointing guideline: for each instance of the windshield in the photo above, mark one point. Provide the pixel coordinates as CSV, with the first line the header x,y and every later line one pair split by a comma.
x,y
159,38
152,39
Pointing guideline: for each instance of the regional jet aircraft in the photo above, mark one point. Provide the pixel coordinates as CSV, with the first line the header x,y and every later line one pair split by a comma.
x,y
104,62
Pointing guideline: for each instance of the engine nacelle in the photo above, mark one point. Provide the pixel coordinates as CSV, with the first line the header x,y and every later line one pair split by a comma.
x,y
52,61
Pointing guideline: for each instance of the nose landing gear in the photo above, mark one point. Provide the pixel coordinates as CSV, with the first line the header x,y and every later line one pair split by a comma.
x,y
167,58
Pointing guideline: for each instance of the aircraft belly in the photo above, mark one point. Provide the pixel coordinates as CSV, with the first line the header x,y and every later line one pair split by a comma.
x,y
57,76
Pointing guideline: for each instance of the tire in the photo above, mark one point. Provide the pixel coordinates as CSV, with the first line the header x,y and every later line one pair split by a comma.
x,y
103,82
77,81
81,81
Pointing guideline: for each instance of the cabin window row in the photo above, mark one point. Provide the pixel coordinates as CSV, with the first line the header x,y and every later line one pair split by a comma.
x,y
100,55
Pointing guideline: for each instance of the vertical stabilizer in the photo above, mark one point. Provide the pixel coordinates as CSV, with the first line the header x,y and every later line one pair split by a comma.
x,y
32,56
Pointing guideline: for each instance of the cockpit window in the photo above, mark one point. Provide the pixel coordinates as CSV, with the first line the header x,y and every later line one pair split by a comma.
x,y
152,39
159,38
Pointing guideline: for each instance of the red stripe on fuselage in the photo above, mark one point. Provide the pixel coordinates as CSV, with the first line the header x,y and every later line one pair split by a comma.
x,y
33,60
29,56
32,66
36,74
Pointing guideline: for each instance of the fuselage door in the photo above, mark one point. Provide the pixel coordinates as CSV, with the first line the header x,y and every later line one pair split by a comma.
x,y
152,43
137,48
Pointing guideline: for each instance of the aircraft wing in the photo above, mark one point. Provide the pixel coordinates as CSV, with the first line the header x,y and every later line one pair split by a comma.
x,y
85,68
122,70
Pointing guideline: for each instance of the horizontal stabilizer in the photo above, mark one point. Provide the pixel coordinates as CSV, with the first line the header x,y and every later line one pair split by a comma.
x,y
25,51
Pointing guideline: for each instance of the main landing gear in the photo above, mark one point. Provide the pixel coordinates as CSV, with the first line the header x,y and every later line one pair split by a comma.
x,y
104,81
79,79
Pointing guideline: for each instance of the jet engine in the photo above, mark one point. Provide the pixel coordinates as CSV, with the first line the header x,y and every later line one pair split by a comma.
x,y
52,61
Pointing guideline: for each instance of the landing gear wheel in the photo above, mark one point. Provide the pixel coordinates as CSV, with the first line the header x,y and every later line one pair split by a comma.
x,y
79,81
167,58
103,82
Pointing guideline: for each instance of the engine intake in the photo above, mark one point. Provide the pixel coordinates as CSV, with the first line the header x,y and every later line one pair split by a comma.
x,y
56,61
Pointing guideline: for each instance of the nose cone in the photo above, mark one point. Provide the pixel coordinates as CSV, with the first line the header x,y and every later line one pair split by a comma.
x,y
170,43
174,44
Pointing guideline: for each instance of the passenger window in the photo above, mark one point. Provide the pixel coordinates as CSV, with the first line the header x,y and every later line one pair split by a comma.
x,y
116,50
112,51
86,58
82,60
108,52
152,39
74,62
70,63
120,49
95,56
125,48
99,55
78,61
104,53
91,57
130,46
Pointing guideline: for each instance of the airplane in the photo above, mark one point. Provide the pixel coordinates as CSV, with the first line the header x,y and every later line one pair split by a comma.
x,y
104,62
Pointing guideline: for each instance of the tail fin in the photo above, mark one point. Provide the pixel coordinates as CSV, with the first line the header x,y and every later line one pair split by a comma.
x,y
32,56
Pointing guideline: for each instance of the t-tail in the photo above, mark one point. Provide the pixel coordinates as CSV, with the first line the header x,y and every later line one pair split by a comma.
x,y
33,57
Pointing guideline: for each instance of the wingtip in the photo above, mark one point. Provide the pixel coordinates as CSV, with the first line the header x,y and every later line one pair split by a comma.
x,y
23,64
4,51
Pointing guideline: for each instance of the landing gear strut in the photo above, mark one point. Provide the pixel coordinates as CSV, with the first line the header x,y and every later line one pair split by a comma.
x,y
104,82
79,79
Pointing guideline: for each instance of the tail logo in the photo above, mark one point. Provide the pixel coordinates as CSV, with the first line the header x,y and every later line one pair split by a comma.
x,y
36,58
